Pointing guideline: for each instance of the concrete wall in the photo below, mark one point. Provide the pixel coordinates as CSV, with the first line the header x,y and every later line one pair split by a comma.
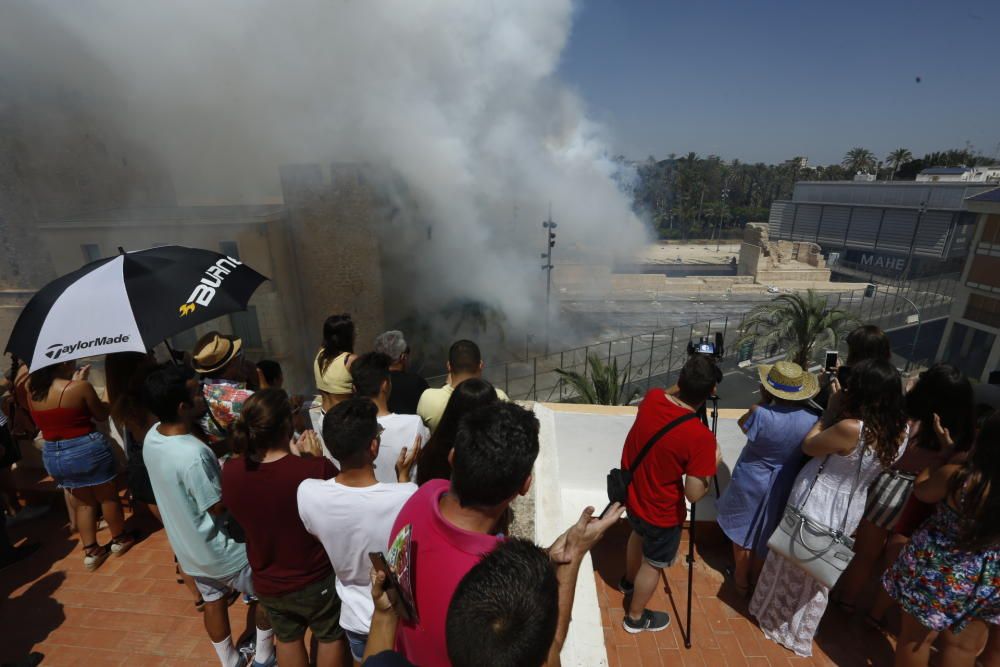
x,y
579,444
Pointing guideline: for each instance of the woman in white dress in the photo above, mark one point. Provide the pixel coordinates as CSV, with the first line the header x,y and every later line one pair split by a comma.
x,y
865,420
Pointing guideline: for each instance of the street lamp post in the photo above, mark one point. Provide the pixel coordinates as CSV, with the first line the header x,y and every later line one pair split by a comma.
x,y
916,334
718,227
550,242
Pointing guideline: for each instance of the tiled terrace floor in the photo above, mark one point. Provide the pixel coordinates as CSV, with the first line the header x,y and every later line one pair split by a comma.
x,y
723,635
130,611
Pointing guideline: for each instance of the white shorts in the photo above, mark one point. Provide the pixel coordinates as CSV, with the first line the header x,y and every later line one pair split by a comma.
x,y
215,589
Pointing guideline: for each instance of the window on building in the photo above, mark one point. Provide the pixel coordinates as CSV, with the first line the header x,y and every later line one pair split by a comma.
x,y
968,349
229,249
247,327
91,252
983,309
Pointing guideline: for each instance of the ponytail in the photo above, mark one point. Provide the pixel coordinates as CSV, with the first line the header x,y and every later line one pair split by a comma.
x,y
264,423
338,338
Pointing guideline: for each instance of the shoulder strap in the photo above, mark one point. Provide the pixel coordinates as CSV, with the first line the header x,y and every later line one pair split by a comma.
x,y
659,434
59,404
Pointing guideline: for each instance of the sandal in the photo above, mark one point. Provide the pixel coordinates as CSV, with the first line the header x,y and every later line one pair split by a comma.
x,y
94,555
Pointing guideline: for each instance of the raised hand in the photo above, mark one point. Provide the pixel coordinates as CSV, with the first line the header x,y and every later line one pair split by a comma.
x,y
943,435
307,444
584,534
407,458
82,373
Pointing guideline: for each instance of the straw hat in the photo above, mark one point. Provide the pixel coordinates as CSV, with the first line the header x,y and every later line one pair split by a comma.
x,y
213,351
787,380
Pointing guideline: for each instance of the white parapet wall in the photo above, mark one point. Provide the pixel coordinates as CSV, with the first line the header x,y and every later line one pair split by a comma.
x,y
579,444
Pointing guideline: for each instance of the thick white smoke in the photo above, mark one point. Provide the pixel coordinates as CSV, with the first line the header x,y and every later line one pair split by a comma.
x,y
458,97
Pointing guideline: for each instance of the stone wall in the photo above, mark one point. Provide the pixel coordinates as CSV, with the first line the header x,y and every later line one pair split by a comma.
x,y
773,261
332,214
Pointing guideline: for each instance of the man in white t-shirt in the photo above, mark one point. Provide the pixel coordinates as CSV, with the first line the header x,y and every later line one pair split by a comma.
x,y
373,380
352,514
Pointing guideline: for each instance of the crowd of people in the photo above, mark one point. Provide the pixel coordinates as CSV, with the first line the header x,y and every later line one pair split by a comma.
x,y
295,505
289,504
899,480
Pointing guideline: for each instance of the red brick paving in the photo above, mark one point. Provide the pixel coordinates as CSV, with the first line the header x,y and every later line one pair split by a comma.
x,y
723,635
130,611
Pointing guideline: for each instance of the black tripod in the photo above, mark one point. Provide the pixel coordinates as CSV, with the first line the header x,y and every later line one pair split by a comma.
x,y
703,414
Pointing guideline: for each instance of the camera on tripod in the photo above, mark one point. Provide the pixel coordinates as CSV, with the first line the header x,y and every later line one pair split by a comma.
x,y
708,346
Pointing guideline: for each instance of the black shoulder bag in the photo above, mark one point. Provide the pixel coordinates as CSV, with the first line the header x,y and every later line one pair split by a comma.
x,y
618,479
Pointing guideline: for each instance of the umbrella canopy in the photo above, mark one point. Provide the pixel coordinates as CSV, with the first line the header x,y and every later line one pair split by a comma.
x,y
129,303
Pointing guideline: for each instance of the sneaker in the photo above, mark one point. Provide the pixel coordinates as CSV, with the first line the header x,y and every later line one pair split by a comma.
x,y
120,545
650,621
626,586
93,559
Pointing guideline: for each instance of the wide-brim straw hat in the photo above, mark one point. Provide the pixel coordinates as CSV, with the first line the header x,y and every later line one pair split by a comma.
x,y
787,380
213,351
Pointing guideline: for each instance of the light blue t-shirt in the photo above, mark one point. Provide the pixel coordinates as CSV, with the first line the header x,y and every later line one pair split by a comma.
x,y
187,481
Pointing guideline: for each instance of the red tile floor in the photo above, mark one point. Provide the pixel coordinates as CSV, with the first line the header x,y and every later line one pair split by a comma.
x,y
130,611
723,634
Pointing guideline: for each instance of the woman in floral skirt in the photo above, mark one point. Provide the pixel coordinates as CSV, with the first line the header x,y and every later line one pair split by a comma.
x,y
947,579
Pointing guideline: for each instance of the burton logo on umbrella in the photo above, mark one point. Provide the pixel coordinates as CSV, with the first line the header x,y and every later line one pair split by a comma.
x,y
204,291
59,349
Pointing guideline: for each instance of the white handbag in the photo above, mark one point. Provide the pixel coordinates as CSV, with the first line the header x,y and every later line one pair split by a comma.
x,y
822,552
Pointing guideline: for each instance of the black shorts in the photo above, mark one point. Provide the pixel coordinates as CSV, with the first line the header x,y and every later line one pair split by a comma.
x,y
659,545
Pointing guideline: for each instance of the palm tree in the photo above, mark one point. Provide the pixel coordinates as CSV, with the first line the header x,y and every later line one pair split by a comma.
x,y
605,385
896,158
858,160
798,323
477,316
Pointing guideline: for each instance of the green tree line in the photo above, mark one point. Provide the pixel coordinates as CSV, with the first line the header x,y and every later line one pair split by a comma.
x,y
701,197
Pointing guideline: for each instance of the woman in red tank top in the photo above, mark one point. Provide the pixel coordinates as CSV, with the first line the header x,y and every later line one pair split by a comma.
x,y
77,456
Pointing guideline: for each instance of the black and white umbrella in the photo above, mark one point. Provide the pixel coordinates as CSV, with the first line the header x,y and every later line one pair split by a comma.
x,y
129,303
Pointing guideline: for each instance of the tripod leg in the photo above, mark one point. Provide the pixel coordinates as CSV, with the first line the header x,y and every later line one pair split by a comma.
x,y
690,562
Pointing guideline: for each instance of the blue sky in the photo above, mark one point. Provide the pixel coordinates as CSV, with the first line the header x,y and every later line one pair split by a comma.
x,y
761,80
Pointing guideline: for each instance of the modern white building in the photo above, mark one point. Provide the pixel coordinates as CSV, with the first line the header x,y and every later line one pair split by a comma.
x,y
985,174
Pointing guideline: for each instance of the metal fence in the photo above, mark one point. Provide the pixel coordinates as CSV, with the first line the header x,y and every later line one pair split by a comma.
x,y
654,358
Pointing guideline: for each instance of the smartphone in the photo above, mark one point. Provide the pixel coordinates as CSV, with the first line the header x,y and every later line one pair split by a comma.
x,y
404,608
831,360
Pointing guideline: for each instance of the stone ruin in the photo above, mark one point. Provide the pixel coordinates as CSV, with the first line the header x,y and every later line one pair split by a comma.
x,y
770,261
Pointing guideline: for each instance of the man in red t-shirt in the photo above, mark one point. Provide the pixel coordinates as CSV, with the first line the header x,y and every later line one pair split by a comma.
x,y
679,465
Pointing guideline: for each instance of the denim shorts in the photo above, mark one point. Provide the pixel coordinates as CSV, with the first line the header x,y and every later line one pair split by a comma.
x,y
659,545
80,462
358,643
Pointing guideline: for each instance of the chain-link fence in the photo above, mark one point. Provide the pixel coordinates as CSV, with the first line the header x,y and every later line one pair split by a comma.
x,y
655,358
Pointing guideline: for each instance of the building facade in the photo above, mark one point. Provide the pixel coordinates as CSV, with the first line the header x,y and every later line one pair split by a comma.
x,y
973,329
893,230
986,174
